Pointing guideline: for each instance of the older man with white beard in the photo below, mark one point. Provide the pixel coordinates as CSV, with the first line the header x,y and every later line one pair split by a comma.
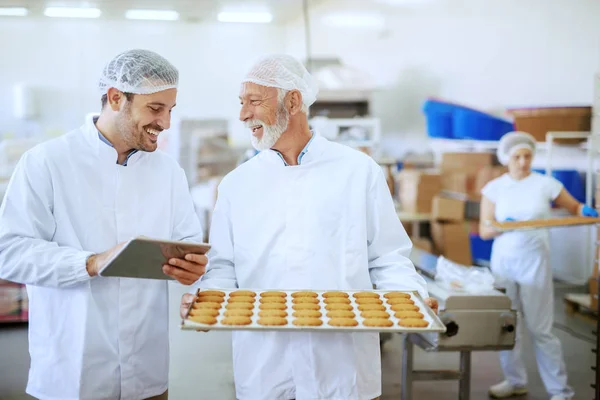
x,y
305,213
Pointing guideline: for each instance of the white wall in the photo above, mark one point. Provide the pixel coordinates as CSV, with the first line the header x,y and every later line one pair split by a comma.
x,y
491,54
63,59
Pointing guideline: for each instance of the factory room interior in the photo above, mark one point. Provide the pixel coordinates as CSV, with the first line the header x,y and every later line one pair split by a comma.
x,y
405,193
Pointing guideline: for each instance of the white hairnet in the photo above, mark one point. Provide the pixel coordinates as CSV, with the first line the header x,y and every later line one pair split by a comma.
x,y
138,72
513,141
284,72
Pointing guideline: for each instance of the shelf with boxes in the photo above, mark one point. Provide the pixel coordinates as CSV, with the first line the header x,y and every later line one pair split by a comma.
x,y
14,305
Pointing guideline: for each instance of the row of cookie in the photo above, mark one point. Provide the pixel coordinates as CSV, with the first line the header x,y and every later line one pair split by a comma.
x,y
309,321
305,294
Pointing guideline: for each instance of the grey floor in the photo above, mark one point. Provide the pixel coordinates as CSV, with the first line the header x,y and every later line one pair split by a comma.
x,y
203,360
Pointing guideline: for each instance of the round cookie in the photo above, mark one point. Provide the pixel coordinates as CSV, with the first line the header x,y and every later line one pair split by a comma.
x,y
212,305
241,299
381,322
340,314
408,314
362,295
272,293
413,323
272,306
239,306
272,321
368,300
304,294
337,300
371,307
343,322
399,300
306,306
238,313
307,314
328,295
264,300
345,307
272,313
236,321
210,299
204,319
405,307
245,293
202,312
211,293
307,322
374,314
396,295
300,300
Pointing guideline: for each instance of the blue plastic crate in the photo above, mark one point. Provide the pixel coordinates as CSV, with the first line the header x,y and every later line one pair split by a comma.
x,y
470,124
438,115
481,249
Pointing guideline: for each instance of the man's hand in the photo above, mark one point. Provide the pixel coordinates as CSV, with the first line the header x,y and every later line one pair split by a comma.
x,y
188,270
96,262
432,303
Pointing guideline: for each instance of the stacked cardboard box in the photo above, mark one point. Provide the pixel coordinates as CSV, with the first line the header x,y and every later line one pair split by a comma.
x,y
450,231
468,173
10,301
416,190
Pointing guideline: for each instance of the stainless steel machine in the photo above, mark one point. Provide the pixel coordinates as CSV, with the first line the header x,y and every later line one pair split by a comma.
x,y
482,321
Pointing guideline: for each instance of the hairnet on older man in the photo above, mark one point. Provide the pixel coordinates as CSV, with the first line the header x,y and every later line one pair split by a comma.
x,y
284,72
513,141
139,72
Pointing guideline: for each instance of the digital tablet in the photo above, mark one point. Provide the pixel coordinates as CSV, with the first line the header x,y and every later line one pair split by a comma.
x,y
144,258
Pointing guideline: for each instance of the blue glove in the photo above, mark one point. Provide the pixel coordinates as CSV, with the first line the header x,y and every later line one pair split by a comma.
x,y
587,211
509,220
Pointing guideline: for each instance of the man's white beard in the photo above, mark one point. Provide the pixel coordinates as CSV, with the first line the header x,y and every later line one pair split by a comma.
x,y
271,133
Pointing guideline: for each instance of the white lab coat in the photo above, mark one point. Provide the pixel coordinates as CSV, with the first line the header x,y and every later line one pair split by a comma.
x,y
520,262
328,223
92,338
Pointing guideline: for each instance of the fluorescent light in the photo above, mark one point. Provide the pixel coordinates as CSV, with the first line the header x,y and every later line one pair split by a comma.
x,y
161,15
245,17
72,12
355,20
13,11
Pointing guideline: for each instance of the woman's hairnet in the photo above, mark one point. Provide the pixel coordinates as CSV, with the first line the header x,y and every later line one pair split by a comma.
x,y
513,141
284,72
139,72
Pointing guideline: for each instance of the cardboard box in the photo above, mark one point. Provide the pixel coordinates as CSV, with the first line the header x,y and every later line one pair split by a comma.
x,y
593,285
423,244
485,175
454,161
416,190
452,241
10,302
447,209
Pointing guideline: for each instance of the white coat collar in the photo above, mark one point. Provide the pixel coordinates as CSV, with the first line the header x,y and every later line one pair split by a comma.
x,y
102,150
312,152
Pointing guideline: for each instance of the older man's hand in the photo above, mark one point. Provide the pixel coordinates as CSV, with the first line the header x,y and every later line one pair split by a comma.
x,y
432,303
187,270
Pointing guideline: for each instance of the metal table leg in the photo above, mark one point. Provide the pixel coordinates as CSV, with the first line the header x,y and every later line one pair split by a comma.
x,y
464,386
407,367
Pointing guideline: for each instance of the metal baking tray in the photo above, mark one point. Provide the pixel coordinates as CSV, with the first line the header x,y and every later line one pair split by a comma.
x,y
435,325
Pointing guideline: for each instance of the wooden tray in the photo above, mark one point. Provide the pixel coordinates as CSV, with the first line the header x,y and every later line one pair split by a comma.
x,y
541,223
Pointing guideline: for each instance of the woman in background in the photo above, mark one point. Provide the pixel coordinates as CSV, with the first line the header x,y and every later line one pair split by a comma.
x,y
520,262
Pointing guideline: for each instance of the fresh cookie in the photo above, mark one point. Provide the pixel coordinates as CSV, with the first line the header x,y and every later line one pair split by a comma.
x,y
272,313
307,322
211,293
307,314
381,322
215,306
304,294
345,307
272,306
409,314
340,314
245,293
368,300
209,299
204,319
203,312
374,314
363,295
264,300
399,300
413,323
328,295
236,320
405,307
371,307
301,300
241,299
396,295
239,306
273,294
238,313
342,322
337,300
272,321
306,306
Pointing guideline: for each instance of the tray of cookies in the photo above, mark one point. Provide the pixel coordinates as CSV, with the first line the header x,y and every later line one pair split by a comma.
x,y
308,310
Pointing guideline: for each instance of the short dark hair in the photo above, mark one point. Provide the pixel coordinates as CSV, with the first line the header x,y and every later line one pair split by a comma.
x,y
104,98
